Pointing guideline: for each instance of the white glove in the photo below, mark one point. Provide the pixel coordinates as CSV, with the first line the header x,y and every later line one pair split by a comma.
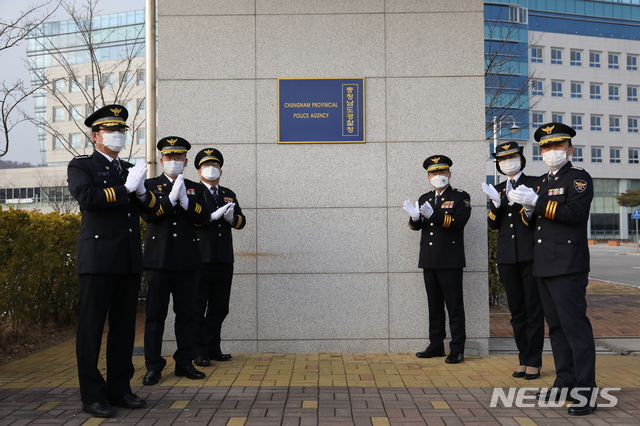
x,y
218,213
177,191
426,210
492,193
228,215
183,200
136,177
525,196
413,210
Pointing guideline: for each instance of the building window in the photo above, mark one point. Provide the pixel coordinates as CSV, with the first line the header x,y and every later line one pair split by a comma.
x,y
536,54
556,56
595,90
518,14
73,85
536,88
614,61
557,117
108,80
614,123
537,119
576,121
140,77
88,110
58,143
58,86
614,155
594,59
141,136
596,154
633,156
596,123
632,124
74,111
90,82
576,58
614,92
556,89
58,113
76,140
576,89
126,79
578,154
632,62
632,93
536,153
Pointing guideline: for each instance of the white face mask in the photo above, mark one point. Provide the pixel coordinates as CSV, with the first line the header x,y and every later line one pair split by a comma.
x,y
439,181
114,141
555,159
173,168
210,173
510,166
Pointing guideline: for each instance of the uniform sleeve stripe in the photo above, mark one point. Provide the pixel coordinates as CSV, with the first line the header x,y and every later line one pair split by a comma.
x,y
198,208
410,225
447,221
239,222
492,216
110,194
153,200
160,211
550,211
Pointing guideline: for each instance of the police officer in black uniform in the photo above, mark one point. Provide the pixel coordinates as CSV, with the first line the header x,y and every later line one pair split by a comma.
x,y
441,215
172,260
557,207
515,260
216,248
111,195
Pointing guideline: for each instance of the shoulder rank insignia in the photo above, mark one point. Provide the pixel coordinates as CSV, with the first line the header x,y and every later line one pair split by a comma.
x,y
82,157
580,185
576,168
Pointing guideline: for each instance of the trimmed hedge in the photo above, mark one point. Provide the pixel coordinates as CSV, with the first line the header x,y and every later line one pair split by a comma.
x,y
38,281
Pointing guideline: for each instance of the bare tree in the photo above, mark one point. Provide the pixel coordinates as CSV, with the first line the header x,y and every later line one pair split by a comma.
x,y
56,194
12,94
95,79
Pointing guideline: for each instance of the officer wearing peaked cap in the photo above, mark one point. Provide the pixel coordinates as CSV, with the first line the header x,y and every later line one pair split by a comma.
x,y
515,260
557,207
172,260
441,215
216,248
111,195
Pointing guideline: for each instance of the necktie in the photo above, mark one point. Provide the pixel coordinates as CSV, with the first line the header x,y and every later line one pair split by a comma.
x,y
437,199
214,193
118,167
513,183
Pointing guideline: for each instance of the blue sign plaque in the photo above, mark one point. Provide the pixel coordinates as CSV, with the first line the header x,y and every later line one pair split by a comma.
x,y
321,110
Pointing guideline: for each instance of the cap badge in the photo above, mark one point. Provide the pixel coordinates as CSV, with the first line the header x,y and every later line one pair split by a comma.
x,y
435,160
505,147
116,111
172,142
548,129
208,151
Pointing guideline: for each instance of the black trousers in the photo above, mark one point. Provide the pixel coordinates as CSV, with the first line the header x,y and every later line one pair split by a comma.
x,y
115,296
527,316
570,332
161,285
212,306
444,288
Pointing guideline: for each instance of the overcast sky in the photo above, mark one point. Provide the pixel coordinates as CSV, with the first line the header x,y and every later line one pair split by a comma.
x,y
23,139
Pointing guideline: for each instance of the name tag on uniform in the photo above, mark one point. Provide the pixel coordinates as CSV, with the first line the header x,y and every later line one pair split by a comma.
x,y
555,191
102,174
447,205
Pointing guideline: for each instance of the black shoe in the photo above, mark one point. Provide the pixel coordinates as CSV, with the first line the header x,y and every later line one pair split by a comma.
x,y
151,378
202,361
574,410
518,374
219,356
99,409
431,353
532,376
190,372
546,395
455,358
128,400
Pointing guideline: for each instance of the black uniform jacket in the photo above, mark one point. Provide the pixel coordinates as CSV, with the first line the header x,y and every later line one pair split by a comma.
x,y
515,239
109,241
216,242
171,241
559,220
442,240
